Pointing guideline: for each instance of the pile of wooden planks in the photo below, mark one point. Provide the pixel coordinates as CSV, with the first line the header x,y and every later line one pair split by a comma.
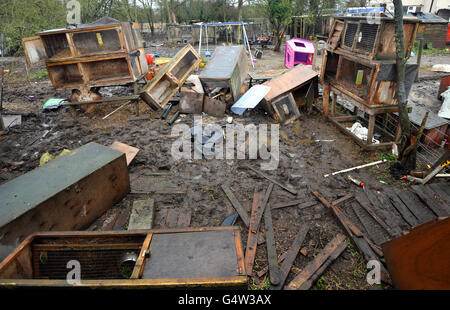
x,y
372,218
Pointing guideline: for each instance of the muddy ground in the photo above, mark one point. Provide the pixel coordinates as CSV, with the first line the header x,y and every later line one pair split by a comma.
x,y
303,162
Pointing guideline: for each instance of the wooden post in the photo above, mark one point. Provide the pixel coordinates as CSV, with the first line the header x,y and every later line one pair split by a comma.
x,y
136,92
419,58
333,104
326,99
370,128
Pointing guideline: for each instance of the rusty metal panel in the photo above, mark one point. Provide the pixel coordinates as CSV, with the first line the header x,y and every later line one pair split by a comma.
x,y
68,193
420,259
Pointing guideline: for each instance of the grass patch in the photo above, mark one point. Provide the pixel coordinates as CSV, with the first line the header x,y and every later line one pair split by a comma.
x,y
39,75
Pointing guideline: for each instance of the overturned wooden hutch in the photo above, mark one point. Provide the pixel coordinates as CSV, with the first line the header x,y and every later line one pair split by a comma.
x,y
359,65
104,53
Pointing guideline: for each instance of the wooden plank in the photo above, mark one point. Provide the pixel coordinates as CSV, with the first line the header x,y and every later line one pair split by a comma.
x,y
380,209
364,202
376,235
342,199
443,190
300,202
130,151
184,218
263,271
412,202
290,257
292,191
335,254
252,241
365,246
172,218
140,262
142,214
401,208
318,261
391,211
237,206
272,257
432,203
292,79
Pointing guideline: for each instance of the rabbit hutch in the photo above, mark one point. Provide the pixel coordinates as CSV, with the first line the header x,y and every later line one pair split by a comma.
x,y
359,66
160,258
85,57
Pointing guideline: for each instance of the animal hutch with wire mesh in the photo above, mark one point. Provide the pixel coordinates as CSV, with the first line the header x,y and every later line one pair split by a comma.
x,y
359,65
104,53
160,258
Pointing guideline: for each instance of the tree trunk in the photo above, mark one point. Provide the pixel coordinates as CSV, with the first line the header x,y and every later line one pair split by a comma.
x,y
409,159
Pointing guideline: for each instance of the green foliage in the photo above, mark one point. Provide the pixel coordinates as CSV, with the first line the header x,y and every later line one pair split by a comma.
x,y
430,50
39,75
20,19
279,14
321,284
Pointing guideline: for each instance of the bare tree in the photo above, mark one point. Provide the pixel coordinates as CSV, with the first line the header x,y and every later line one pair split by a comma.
x,y
407,152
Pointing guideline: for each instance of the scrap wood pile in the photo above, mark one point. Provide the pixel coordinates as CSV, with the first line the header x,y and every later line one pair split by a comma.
x,y
279,266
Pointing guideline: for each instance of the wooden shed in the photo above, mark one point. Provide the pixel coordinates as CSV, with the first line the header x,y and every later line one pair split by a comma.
x,y
432,29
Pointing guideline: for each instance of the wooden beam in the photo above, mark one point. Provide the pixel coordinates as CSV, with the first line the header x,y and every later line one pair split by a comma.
x,y
338,243
237,206
252,241
290,257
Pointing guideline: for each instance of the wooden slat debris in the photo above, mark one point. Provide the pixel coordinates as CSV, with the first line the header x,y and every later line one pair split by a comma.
x,y
367,206
263,271
443,190
290,257
130,151
290,190
432,203
300,282
237,206
377,235
272,257
412,202
300,203
386,217
142,214
252,241
369,250
401,208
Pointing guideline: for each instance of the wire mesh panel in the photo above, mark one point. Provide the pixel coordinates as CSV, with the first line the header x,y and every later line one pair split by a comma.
x,y
94,263
350,33
367,37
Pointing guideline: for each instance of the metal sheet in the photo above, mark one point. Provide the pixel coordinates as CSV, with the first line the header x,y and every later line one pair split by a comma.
x,y
420,259
250,99
192,255
222,63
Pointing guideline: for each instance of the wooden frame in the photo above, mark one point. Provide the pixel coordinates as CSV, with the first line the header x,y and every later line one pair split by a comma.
x,y
166,82
239,280
127,47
